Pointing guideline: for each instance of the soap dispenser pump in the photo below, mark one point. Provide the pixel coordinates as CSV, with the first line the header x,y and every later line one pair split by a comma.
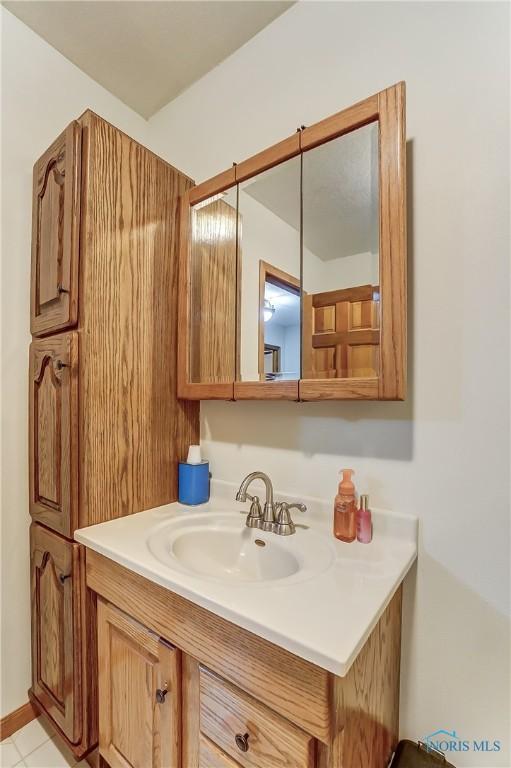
x,y
345,509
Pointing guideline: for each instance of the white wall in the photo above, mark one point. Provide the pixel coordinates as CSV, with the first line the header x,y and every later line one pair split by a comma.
x,y
41,93
264,237
443,454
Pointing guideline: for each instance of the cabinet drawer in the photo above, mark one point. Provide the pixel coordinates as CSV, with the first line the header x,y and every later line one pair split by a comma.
x,y
56,630
211,756
53,432
55,234
248,731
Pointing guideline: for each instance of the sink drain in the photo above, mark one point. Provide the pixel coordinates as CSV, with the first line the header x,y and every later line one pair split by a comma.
x,y
260,543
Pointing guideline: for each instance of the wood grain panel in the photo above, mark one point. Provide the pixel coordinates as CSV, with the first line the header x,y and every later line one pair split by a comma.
x,y
55,234
324,319
213,300
186,389
133,430
328,339
190,692
295,688
357,293
393,242
366,701
56,646
266,390
338,389
48,409
268,158
272,741
342,122
53,432
211,756
135,730
362,360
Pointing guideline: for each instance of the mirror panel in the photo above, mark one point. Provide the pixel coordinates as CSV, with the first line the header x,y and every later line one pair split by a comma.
x,y
269,274
341,295
213,289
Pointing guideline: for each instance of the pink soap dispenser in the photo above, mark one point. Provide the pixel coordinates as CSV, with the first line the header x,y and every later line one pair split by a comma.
x,y
364,521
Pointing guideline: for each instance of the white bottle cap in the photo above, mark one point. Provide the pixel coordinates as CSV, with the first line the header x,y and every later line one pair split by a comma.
x,y
194,455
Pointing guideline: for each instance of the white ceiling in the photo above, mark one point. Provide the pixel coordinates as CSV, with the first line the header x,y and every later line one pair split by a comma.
x,y
340,194
285,303
146,52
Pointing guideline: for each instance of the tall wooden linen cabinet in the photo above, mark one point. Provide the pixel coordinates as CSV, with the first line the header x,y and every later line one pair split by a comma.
x,y
106,428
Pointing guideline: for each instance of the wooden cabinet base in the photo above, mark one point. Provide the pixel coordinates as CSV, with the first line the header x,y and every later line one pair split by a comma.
x,y
80,750
246,702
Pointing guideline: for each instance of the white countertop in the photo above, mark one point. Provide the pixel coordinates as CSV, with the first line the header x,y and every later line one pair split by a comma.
x,y
325,618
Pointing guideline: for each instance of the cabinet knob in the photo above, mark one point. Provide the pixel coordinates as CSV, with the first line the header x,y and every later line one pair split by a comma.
x,y
60,365
160,695
60,288
242,741
63,577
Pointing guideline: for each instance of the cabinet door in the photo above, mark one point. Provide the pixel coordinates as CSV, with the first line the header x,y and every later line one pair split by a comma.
x,y
56,639
139,694
53,432
55,234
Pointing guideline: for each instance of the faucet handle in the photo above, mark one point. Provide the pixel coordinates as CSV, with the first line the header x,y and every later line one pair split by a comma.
x,y
284,525
255,515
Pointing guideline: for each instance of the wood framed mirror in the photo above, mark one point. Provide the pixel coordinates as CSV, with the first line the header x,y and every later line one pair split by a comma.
x,y
293,266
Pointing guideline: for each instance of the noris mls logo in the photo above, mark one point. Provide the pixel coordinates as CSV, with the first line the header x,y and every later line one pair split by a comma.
x,y
449,741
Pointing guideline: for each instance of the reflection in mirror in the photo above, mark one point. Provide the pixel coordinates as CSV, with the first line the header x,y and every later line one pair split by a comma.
x,y
269,274
279,331
213,289
340,335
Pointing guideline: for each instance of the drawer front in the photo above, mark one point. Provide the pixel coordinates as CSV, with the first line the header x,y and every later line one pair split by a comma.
x,y
139,694
249,732
211,756
53,432
56,638
55,234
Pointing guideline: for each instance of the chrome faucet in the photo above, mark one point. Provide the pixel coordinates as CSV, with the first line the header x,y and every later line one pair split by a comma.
x,y
276,517
267,522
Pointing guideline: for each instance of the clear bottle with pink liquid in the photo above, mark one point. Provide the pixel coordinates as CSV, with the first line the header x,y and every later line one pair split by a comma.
x,y
364,521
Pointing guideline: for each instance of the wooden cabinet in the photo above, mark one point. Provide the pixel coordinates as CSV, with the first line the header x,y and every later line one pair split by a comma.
x,y
106,430
245,702
53,417
139,690
343,204
55,234
56,623
248,731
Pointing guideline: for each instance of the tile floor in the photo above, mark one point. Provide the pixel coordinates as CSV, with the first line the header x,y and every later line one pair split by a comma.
x,y
34,747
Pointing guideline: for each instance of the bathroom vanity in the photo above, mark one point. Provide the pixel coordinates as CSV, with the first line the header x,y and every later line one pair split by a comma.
x,y
149,294
260,650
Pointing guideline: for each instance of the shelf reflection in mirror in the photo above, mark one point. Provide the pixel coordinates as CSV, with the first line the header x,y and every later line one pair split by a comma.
x,y
340,336
269,274
213,289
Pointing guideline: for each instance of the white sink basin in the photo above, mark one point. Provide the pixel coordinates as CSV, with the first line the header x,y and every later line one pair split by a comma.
x,y
220,547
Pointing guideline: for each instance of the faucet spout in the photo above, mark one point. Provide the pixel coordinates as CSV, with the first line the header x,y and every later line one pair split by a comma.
x,y
268,522
242,493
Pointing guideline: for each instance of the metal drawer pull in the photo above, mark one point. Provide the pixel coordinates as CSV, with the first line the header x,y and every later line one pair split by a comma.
x,y
242,741
60,365
63,577
160,695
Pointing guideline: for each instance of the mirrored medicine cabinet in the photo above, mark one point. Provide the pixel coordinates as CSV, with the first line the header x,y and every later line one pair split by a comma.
x,y
293,266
